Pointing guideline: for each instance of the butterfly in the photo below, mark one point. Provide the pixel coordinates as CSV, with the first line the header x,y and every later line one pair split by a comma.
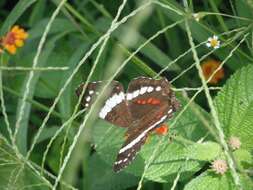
x,y
146,104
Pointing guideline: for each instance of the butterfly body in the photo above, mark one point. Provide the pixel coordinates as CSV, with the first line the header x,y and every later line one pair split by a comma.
x,y
146,104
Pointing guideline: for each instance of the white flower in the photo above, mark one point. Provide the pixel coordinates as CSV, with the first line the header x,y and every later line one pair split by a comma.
x,y
234,143
213,42
219,166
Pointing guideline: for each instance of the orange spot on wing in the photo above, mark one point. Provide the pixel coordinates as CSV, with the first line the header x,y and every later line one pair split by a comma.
x,y
155,102
150,100
143,102
162,130
138,101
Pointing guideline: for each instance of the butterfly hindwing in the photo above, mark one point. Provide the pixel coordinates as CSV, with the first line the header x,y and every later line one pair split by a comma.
x,y
136,135
125,157
114,109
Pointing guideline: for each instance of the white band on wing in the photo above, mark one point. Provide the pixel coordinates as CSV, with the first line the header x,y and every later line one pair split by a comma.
x,y
111,103
137,139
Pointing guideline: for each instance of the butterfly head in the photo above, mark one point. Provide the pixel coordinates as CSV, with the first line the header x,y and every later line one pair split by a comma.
x,y
173,102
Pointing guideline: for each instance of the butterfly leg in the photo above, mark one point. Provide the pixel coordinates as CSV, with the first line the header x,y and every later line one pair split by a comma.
x,y
163,129
148,139
126,136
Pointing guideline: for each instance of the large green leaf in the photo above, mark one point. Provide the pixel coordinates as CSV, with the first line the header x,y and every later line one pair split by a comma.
x,y
203,151
170,157
234,104
101,175
244,158
211,181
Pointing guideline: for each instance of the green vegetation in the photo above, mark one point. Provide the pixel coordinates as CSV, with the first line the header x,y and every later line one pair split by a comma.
x,y
49,141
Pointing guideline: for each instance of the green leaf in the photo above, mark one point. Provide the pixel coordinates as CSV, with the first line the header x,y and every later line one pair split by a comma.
x,y
59,25
170,156
45,87
65,103
151,51
204,151
234,104
211,181
18,10
243,9
47,133
189,124
244,158
101,175
37,12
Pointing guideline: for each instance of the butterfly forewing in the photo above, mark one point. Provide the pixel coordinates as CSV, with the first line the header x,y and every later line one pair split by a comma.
x,y
146,94
114,109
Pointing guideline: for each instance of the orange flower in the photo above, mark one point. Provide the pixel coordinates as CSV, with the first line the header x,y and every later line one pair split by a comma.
x,y
14,39
208,68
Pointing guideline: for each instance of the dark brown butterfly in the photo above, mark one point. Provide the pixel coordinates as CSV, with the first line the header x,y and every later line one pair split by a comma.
x,y
146,104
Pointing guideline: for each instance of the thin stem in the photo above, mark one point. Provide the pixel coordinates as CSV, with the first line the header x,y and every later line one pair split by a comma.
x,y
195,89
3,108
34,69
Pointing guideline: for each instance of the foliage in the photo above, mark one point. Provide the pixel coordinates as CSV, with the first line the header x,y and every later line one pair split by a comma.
x,y
46,142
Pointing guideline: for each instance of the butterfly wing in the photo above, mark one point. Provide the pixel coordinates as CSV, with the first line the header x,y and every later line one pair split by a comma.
x,y
125,157
114,109
150,102
145,95
136,136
